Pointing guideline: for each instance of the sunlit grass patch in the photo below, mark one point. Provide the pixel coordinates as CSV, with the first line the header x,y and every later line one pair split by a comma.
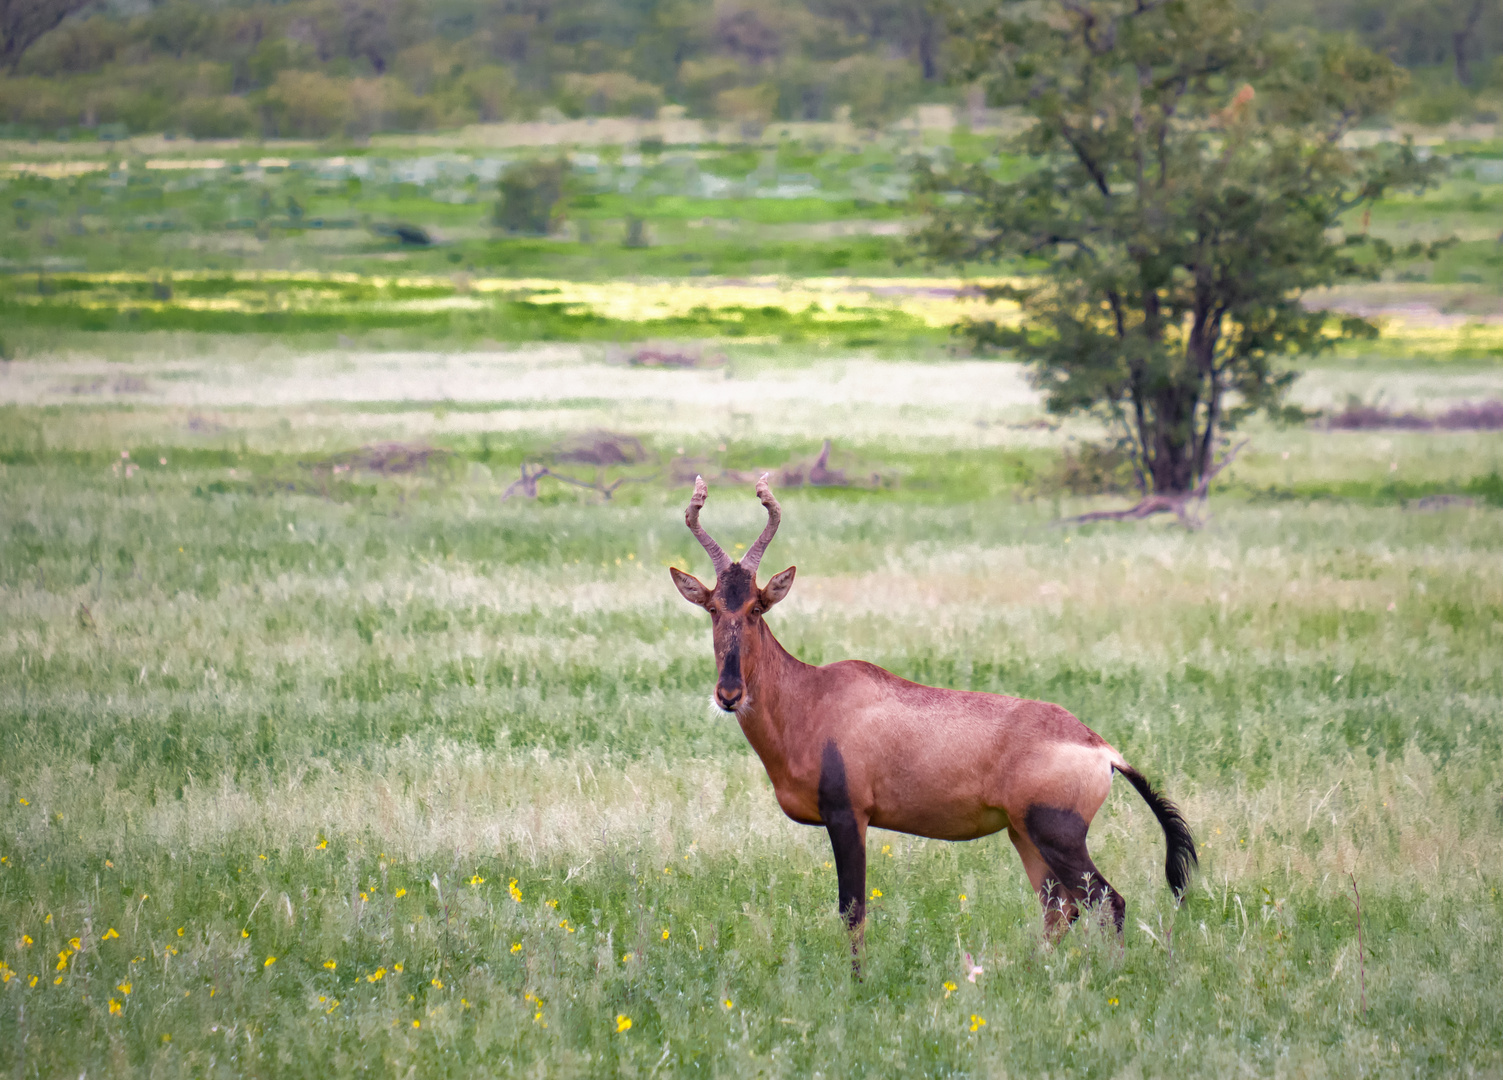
x,y
786,308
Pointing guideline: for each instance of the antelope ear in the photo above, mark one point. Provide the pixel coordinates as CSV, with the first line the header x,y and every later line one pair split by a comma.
x,y
778,587
691,587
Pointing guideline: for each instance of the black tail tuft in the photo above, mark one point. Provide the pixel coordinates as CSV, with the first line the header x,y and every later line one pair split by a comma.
x,y
1176,832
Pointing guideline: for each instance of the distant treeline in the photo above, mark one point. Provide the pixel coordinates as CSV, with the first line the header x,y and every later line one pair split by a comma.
x,y
321,68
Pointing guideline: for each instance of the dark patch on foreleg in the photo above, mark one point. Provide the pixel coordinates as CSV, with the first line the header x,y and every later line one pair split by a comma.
x,y
1060,836
846,836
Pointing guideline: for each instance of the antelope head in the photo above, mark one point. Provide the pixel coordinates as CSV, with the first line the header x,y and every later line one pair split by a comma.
x,y
735,604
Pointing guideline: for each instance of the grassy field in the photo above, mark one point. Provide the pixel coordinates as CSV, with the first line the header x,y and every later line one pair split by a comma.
x,y
310,767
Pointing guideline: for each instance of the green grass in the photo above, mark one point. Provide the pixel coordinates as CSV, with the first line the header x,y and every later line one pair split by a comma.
x,y
245,701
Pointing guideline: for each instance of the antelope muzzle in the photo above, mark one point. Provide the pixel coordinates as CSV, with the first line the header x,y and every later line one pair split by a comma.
x,y
730,688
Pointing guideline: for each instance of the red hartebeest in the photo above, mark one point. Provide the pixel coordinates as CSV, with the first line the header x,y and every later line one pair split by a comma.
x,y
849,745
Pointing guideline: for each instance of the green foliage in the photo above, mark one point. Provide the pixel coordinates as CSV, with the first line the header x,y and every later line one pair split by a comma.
x,y
406,66
1190,175
530,193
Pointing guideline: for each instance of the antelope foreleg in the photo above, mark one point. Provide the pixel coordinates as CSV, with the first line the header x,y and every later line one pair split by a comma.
x,y
847,830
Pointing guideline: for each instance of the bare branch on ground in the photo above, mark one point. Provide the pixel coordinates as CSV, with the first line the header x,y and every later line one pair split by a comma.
x,y
1188,507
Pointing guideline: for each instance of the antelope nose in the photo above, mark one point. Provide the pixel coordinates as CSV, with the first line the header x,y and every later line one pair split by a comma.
x,y
728,697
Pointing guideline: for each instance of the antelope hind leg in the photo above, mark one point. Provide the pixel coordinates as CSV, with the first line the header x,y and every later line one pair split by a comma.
x,y
1058,839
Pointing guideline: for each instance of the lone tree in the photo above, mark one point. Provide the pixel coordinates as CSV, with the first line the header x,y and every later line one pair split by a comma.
x,y
1189,180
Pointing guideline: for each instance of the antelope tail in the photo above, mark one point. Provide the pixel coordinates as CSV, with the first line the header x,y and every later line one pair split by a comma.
x,y
1181,844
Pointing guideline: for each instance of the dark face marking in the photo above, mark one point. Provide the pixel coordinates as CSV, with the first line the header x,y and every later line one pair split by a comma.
x,y
1060,836
734,587
734,591
729,688
845,835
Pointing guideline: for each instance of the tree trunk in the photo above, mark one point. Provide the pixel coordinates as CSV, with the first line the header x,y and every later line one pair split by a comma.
x,y
1461,40
1172,449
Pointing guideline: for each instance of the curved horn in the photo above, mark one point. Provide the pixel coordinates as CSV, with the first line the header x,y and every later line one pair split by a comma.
x,y
750,560
718,558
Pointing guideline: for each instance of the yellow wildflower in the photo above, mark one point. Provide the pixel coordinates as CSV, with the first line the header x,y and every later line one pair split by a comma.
x,y
33,981
565,926
977,1023
24,802
364,897
62,960
665,933
436,981
963,898
332,1006
124,988
376,976
269,961
552,903
331,964
109,865
26,940
876,894
180,931
1113,1002
726,1003
75,943
417,1023
623,1023
57,981
949,988
397,967
109,934
516,946
516,893
400,893
261,857
477,880
322,844
114,1007
244,932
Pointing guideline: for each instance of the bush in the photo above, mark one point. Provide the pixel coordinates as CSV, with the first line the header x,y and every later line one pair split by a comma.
x,y
305,103
876,89
217,117
610,93
1090,469
491,92
754,103
701,81
530,191
1438,105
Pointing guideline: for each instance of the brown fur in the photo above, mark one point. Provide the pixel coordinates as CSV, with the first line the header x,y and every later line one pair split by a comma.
x,y
947,764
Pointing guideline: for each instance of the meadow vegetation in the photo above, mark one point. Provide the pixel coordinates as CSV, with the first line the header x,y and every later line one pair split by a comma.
x,y
320,755
310,768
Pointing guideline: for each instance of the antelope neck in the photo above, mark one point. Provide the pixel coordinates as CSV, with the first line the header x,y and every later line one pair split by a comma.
x,y
773,685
